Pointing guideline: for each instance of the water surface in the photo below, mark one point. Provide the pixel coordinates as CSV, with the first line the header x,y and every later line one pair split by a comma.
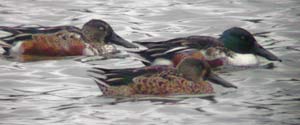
x,y
60,91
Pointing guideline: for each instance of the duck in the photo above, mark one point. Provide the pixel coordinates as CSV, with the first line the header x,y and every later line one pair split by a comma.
x,y
189,77
236,47
94,38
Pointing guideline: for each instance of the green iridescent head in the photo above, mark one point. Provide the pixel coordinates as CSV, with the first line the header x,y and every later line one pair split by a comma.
x,y
241,41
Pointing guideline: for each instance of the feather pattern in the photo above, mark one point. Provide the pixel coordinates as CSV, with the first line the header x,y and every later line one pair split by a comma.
x,y
94,38
168,49
151,80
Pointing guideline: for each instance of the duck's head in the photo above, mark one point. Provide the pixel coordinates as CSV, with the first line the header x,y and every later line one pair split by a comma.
x,y
198,70
100,31
241,41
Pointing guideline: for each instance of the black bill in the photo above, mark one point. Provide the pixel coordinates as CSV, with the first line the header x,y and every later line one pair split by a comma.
x,y
218,80
116,39
259,50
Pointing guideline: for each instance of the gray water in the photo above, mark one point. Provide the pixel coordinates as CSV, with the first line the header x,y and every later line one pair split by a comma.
x,y
60,91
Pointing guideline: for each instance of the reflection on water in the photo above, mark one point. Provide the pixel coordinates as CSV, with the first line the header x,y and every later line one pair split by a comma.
x,y
61,92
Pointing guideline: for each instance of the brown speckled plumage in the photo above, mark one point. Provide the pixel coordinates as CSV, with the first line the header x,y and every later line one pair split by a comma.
x,y
158,80
61,41
161,85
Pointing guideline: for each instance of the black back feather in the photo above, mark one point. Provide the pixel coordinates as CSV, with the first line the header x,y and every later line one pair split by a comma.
x,y
167,49
116,77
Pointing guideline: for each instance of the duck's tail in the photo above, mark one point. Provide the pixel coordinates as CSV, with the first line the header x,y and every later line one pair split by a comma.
x,y
16,33
10,33
3,44
100,79
112,77
24,32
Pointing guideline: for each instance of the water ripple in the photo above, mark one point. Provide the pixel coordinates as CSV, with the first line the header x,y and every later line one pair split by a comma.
x,y
61,92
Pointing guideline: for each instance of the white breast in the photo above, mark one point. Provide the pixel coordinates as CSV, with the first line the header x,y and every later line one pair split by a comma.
x,y
161,61
89,50
243,60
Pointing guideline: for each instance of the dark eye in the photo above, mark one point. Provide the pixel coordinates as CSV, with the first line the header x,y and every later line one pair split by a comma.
x,y
101,28
242,37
